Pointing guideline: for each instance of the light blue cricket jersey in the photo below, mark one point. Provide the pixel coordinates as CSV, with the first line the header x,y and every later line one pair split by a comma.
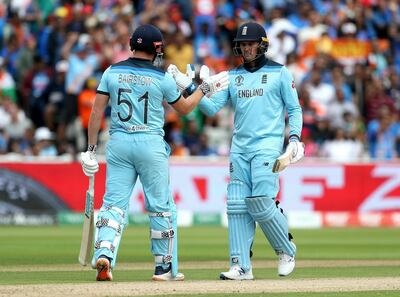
x,y
137,89
260,100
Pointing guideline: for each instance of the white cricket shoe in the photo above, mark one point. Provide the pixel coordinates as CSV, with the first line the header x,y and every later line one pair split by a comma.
x,y
103,270
286,263
237,273
161,274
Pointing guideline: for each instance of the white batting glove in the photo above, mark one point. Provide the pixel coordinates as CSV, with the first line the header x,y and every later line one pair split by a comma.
x,y
183,81
204,72
214,83
294,153
89,161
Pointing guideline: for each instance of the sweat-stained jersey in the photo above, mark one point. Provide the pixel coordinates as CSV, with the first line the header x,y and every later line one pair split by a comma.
x,y
260,100
137,89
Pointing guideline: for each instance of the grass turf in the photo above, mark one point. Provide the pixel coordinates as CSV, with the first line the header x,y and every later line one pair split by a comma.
x,y
53,245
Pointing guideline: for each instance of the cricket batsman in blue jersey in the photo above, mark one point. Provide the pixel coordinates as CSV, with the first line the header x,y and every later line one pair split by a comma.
x,y
136,89
261,92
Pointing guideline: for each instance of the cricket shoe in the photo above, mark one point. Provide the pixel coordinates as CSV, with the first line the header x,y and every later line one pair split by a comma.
x,y
161,274
237,273
286,263
103,270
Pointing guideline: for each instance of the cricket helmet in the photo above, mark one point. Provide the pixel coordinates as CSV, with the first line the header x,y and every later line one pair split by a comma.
x,y
251,31
147,38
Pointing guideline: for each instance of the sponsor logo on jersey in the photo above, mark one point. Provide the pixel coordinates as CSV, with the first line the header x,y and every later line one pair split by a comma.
x,y
239,80
250,93
137,128
135,79
264,79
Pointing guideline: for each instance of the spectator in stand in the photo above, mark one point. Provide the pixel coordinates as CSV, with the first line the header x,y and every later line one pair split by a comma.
x,y
18,123
54,37
82,64
383,135
323,131
180,52
7,83
85,103
341,149
191,137
36,84
392,87
44,143
377,59
56,96
376,98
205,43
338,108
321,94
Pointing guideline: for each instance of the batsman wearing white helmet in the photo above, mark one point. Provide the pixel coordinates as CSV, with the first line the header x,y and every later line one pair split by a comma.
x,y
136,89
261,92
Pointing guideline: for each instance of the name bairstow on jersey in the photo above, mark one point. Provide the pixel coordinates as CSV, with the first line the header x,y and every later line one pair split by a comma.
x,y
135,79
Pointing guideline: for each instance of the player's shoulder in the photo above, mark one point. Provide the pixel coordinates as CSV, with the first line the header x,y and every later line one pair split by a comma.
x,y
140,65
273,65
237,70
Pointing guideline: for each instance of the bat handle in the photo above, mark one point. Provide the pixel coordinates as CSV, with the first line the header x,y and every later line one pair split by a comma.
x,y
91,184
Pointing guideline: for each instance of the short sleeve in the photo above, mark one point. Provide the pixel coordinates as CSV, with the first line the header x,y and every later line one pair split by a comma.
x,y
103,86
170,89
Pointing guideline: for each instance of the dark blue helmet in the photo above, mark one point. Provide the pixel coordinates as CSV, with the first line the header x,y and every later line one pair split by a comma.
x,y
251,32
147,38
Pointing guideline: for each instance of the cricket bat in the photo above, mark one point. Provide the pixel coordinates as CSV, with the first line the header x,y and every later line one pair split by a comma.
x,y
283,161
88,225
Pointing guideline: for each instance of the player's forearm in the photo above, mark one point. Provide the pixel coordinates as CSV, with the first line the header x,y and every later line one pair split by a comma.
x,y
208,106
94,126
192,101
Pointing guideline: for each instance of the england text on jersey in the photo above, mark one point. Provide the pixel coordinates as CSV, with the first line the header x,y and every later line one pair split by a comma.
x,y
250,93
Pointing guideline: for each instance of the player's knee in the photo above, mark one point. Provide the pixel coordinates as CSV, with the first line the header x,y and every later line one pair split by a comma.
x,y
261,208
237,190
236,207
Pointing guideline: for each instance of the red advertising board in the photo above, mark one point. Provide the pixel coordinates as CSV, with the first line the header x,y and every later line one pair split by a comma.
x,y
201,186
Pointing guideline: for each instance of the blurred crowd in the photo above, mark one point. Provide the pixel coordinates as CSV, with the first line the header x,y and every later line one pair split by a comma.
x,y
344,56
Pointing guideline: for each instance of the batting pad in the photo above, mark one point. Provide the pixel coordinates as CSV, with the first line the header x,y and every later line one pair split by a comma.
x,y
109,227
164,239
272,222
241,226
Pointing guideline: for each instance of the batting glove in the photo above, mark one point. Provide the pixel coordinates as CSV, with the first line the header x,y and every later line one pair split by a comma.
x,y
213,84
294,153
89,161
204,72
183,81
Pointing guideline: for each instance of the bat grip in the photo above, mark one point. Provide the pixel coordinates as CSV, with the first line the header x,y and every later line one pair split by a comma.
x,y
91,184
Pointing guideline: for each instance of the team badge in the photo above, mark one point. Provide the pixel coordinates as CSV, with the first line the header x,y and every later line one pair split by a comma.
x,y
239,80
139,40
244,30
264,79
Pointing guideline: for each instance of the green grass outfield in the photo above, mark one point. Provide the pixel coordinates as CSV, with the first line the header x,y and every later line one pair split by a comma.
x,y
51,255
